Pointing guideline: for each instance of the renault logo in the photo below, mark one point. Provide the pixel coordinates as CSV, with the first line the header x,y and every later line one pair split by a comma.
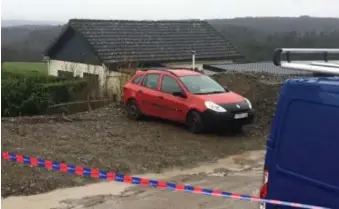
x,y
238,106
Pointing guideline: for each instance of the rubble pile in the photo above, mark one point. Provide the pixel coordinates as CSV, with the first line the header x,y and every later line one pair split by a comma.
x,y
261,89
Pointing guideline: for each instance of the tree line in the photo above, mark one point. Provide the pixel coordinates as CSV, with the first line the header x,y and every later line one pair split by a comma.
x,y
256,38
262,50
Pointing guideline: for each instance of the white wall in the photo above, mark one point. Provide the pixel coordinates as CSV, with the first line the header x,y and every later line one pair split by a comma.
x,y
107,79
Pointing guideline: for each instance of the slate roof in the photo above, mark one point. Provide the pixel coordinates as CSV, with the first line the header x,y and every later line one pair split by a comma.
x,y
123,40
260,67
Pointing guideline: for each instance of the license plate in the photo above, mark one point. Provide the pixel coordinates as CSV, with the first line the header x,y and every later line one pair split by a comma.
x,y
241,115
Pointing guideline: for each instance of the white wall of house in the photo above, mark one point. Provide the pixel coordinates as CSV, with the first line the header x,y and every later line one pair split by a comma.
x,y
108,80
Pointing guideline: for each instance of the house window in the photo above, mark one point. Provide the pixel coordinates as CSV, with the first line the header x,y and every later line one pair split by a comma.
x,y
65,74
91,78
151,81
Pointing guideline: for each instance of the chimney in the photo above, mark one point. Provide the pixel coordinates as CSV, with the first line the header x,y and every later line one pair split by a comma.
x,y
193,60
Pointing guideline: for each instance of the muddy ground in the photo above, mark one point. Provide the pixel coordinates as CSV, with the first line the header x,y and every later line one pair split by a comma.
x,y
240,173
105,139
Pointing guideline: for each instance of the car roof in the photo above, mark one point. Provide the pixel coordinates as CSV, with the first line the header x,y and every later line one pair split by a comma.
x,y
178,72
183,72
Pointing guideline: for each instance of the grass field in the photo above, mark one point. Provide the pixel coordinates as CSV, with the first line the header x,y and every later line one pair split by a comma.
x,y
25,67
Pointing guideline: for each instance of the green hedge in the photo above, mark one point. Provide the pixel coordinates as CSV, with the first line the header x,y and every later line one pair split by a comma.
x,y
31,95
38,77
64,91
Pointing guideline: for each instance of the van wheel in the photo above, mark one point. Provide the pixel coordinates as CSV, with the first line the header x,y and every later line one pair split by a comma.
x,y
133,110
194,122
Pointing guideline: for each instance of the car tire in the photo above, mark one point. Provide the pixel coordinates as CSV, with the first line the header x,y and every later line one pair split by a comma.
x,y
194,122
133,110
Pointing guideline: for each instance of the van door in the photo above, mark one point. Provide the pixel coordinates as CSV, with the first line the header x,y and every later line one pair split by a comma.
x,y
302,156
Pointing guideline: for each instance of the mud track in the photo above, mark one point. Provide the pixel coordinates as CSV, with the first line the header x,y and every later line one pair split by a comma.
x,y
111,142
105,139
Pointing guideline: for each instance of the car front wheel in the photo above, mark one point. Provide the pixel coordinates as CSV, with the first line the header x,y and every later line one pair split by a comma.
x,y
194,122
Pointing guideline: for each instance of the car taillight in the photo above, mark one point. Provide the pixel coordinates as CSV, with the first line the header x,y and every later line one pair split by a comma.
x,y
263,190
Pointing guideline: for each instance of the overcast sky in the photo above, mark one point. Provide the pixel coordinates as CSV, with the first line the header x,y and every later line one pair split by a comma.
x,y
62,10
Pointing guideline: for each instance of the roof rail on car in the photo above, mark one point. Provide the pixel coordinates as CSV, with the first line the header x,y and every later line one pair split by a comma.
x,y
166,69
324,67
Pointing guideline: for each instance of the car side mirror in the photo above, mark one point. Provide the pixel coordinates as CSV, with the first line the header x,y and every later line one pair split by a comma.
x,y
179,94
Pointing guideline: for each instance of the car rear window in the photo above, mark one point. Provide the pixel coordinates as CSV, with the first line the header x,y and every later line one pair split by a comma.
x,y
308,145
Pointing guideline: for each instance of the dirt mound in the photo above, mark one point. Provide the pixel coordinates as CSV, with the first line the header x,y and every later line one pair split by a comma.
x,y
261,89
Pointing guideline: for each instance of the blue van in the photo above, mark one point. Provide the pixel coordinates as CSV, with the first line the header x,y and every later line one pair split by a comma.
x,y
302,158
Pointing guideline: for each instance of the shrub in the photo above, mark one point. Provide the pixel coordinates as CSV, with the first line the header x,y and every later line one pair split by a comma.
x,y
37,77
64,91
22,97
30,95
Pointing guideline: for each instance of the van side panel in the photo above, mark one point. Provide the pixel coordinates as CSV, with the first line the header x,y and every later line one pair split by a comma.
x,y
303,152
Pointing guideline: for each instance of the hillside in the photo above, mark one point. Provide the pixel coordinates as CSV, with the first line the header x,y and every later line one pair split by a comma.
x,y
280,24
255,37
26,43
13,23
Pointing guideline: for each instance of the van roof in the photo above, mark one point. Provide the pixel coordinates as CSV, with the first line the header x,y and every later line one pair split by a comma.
x,y
315,81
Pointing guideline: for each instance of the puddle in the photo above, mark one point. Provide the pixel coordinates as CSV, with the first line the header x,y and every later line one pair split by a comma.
x,y
249,163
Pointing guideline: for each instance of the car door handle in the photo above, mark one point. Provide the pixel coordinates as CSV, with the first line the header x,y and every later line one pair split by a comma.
x,y
160,97
139,92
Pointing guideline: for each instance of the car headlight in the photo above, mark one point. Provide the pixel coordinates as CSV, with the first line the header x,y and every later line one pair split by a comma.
x,y
249,103
212,106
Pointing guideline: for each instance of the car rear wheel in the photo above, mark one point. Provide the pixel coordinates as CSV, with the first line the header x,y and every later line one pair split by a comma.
x,y
194,122
133,110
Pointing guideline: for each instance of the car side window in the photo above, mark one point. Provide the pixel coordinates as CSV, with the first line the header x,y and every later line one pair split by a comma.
x,y
137,79
170,85
151,81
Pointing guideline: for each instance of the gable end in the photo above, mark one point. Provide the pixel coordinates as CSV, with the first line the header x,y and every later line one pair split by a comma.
x,y
72,47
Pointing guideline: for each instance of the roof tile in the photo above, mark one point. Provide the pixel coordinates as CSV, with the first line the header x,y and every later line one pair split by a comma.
x,y
121,40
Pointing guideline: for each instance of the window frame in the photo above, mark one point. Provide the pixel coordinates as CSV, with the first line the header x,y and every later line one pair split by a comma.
x,y
141,76
171,77
145,78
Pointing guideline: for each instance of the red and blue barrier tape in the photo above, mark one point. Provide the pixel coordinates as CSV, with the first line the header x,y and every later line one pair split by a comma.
x,y
114,176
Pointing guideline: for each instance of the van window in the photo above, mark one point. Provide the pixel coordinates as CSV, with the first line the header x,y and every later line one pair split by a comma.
x,y
308,143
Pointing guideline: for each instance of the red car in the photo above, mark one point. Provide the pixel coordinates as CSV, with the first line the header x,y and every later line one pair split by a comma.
x,y
187,97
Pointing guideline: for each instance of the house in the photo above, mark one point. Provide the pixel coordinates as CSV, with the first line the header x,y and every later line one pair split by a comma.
x,y
104,49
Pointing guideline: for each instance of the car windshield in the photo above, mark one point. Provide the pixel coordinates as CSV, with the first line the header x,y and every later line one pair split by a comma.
x,y
201,84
